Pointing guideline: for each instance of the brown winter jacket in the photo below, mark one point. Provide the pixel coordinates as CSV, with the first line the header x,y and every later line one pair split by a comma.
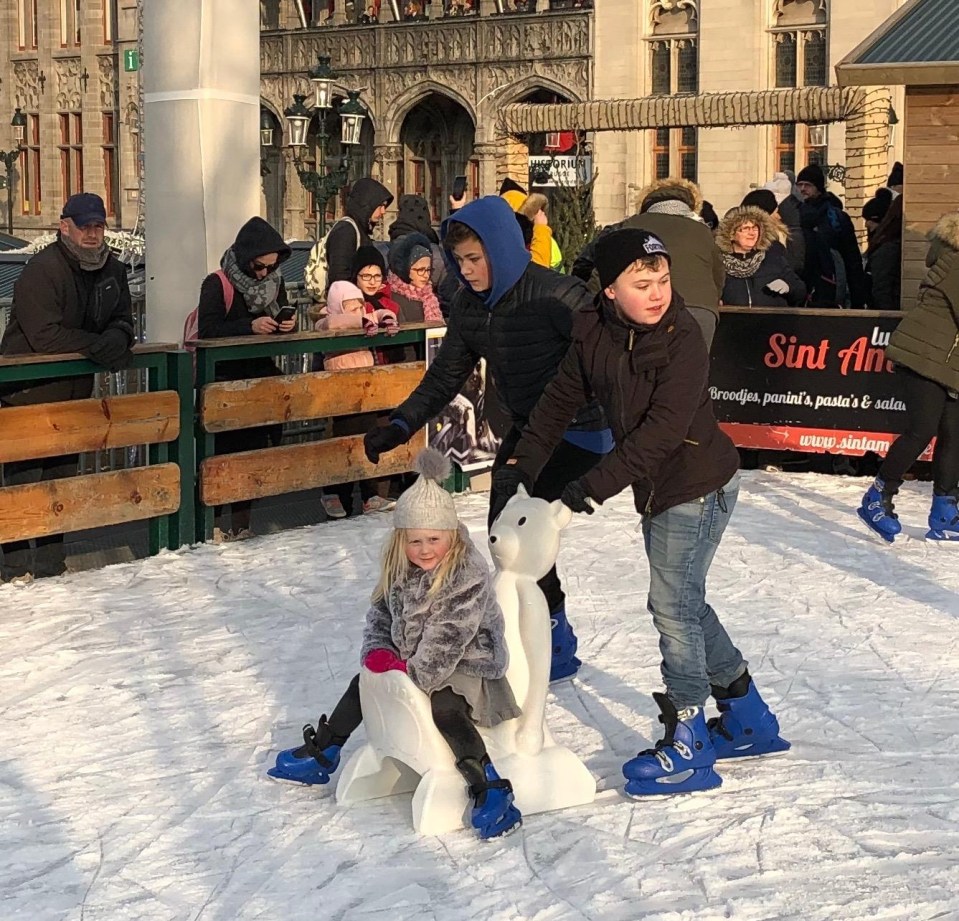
x,y
652,383
927,338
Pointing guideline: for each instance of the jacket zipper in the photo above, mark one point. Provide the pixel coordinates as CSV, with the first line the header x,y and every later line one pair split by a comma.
x,y
622,403
955,345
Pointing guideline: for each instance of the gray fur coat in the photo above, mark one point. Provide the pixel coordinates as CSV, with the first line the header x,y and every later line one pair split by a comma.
x,y
458,629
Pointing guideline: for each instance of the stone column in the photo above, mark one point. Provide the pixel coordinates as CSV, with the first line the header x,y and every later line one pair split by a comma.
x,y
488,181
202,102
867,159
387,161
512,160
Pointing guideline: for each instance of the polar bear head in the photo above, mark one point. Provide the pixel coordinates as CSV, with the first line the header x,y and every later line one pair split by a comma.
x,y
524,539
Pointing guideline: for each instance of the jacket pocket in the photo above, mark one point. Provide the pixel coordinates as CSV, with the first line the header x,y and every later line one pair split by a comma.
x,y
106,299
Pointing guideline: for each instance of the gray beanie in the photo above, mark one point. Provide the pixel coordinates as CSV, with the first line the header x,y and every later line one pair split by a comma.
x,y
426,504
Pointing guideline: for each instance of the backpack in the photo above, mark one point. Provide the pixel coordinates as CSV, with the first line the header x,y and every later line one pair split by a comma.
x,y
191,326
317,268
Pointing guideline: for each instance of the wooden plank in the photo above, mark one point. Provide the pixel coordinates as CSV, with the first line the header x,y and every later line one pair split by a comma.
x,y
72,426
273,471
309,336
932,116
93,501
922,136
926,155
142,348
243,404
945,194
922,215
942,173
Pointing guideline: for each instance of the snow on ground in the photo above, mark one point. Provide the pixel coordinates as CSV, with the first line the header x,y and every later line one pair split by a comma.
x,y
141,705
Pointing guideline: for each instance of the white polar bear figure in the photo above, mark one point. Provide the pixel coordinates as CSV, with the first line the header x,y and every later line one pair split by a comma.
x,y
404,750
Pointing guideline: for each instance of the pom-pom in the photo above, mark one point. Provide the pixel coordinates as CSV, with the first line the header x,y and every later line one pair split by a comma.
x,y
432,465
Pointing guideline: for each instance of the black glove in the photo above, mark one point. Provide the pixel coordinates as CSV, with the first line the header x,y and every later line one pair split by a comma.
x,y
506,481
382,438
112,350
576,498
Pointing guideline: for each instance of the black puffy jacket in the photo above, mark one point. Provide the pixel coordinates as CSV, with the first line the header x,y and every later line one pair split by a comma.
x,y
523,339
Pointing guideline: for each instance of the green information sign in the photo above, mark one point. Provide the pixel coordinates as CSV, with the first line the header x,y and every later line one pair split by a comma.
x,y
131,60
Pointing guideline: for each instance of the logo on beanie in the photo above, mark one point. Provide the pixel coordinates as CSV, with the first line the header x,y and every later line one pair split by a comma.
x,y
654,247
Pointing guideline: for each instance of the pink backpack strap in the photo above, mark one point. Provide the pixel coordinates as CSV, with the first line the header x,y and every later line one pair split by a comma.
x,y
228,289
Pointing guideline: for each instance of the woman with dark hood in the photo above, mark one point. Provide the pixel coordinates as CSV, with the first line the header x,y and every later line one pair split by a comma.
x,y
365,207
249,281
884,260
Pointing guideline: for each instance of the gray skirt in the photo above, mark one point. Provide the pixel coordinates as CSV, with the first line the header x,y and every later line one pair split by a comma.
x,y
490,700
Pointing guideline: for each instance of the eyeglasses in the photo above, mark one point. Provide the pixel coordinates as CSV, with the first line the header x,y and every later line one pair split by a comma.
x,y
425,271
260,267
370,277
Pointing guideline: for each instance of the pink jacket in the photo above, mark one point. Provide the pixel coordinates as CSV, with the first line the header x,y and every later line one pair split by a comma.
x,y
333,317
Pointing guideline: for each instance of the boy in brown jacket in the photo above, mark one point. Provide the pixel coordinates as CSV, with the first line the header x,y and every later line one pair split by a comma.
x,y
640,353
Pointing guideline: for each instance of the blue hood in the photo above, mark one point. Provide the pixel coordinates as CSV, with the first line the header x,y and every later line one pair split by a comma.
x,y
494,222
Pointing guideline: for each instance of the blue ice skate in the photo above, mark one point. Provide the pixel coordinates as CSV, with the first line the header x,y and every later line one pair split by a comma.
x,y
745,728
876,510
564,663
681,762
943,519
311,763
493,812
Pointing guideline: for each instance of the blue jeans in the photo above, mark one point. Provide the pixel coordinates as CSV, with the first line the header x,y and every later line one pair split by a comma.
x,y
680,545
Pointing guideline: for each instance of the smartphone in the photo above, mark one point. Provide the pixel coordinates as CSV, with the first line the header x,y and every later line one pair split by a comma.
x,y
284,314
459,187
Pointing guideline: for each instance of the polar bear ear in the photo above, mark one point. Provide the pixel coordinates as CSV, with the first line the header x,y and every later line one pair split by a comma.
x,y
561,512
521,491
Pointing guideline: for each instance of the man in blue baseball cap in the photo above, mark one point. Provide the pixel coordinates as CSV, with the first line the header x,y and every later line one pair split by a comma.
x,y
72,296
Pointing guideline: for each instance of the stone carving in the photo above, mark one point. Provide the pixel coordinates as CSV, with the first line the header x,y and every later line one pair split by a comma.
x,y
107,80
69,89
271,54
800,12
29,85
673,17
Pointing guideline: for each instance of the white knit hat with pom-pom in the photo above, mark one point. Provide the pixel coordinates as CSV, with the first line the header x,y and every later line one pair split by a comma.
x,y
426,505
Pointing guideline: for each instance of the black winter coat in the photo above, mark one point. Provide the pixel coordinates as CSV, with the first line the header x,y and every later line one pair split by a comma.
x,y
341,244
652,383
827,228
884,270
750,292
796,246
58,307
215,323
523,339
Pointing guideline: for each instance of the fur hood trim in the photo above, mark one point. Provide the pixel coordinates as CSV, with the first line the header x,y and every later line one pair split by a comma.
x,y
690,192
947,230
769,233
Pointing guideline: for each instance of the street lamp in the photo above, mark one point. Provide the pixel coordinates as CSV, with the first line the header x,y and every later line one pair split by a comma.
x,y
321,76
266,139
325,182
9,157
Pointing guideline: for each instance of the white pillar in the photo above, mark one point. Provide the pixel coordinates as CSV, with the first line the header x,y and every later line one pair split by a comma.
x,y
201,71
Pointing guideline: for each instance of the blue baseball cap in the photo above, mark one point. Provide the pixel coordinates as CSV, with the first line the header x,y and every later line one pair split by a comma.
x,y
85,208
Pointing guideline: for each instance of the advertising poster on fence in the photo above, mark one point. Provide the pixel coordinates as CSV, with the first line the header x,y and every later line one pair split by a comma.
x,y
807,380
464,430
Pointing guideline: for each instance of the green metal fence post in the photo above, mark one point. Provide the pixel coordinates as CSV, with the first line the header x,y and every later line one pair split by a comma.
x,y
182,522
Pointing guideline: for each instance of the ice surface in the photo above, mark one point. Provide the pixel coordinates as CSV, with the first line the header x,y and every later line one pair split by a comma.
x,y
142,704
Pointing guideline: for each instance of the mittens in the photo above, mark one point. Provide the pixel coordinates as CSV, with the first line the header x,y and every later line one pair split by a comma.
x,y
112,350
383,660
506,481
778,286
382,438
576,498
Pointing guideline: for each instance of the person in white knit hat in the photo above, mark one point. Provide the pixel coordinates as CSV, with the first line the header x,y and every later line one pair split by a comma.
x,y
787,207
434,616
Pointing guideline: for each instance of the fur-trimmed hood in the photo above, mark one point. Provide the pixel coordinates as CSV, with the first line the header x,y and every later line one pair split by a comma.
x,y
947,230
770,230
672,187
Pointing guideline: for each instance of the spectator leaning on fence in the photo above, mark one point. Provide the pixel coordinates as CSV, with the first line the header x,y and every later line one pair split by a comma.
x,y
258,295
72,296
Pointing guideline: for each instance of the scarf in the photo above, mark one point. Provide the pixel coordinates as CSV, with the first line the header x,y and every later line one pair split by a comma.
x,y
260,294
743,266
431,304
90,260
674,207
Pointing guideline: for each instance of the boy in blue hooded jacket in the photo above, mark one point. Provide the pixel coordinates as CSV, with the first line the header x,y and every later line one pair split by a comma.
x,y
519,317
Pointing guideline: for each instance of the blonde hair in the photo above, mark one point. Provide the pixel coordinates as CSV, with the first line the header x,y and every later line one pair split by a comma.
x,y
395,567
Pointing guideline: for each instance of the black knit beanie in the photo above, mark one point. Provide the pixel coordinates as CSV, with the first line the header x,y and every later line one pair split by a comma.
x,y
760,198
367,255
814,174
895,177
510,185
617,251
